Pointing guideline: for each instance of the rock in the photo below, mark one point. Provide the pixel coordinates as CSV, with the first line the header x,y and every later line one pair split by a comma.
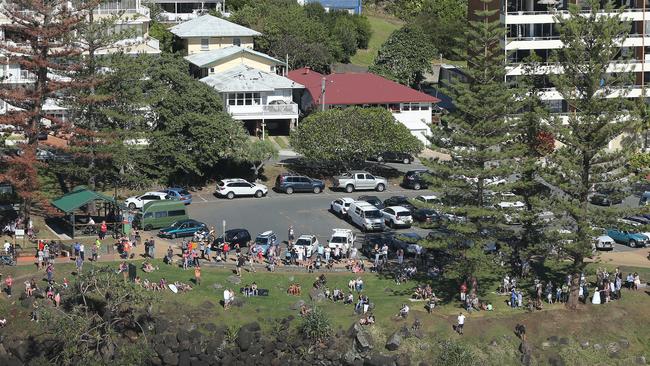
x,y
217,286
640,360
584,344
355,329
235,280
388,289
210,327
597,347
564,341
156,361
613,347
161,349
546,345
394,341
316,295
298,305
184,358
199,362
171,359
555,361
624,343
363,342
526,359
377,359
253,327
171,342
161,324
245,339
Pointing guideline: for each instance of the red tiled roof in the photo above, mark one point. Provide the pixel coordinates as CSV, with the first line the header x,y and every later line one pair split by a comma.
x,y
357,88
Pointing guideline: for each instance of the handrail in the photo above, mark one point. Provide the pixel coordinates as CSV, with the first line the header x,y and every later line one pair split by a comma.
x,y
564,11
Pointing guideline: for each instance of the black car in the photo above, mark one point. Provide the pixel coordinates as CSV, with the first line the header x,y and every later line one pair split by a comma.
x,y
604,199
372,239
428,215
290,182
400,201
373,200
396,157
416,179
233,236
405,241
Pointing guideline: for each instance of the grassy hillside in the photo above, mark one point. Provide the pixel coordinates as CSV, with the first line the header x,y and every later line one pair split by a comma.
x,y
382,27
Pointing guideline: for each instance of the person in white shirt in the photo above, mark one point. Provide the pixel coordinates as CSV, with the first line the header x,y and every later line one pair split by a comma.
x,y
404,311
461,323
7,247
226,299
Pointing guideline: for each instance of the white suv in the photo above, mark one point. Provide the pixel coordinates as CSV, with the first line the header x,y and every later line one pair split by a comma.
x,y
397,216
139,201
340,206
230,188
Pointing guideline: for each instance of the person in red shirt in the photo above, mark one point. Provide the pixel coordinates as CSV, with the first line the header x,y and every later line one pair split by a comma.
x,y
102,230
9,283
226,249
463,291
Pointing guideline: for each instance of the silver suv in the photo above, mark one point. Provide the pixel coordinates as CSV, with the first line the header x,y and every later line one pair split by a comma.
x,y
358,180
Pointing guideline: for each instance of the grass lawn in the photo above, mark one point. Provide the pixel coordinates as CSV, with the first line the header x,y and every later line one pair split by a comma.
x,y
382,26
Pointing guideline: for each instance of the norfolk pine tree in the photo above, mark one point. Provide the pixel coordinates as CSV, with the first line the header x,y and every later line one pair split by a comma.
x,y
475,135
600,113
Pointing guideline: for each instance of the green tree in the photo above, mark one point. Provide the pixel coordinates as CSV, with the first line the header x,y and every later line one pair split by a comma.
x,y
257,153
583,161
348,136
160,32
445,23
476,136
344,30
405,56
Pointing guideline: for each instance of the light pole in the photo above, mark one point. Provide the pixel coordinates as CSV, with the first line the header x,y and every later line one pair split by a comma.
x,y
322,93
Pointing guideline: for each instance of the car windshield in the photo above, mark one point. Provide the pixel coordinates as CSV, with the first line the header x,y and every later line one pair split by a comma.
x,y
262,240
373,214
401,199
176,224
338,239
184,192
346,204
403,214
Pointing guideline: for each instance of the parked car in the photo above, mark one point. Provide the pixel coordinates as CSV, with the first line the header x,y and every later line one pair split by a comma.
x,y
231,188
430,200
416,179
265,240
407,242
373,200
180,194
640,219
366,216
341,237
396,157
182,228
428,215
604,199
359,180
628,238
290,182
136,202
603,241
340,206
399,201
310,242
397,216
233,237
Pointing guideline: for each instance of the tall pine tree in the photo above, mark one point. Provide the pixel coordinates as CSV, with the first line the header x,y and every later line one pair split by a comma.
x,y
599,113
476,136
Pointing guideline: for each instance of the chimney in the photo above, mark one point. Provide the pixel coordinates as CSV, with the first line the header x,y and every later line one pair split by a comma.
x,y
307,70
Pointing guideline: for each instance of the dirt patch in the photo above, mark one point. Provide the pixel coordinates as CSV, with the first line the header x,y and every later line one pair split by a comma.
x,y
633,258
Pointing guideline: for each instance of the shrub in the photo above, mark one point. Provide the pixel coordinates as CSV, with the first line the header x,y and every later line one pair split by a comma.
x,y
455,354
316,325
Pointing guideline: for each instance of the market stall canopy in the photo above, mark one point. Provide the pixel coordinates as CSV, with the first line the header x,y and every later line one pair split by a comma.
x,y
80,196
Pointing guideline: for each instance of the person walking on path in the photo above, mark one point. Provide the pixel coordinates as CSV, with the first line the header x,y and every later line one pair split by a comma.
x,y
461,323
9,283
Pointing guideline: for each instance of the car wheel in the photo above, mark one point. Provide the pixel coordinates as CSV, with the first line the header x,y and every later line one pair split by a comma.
x,y
230,195
349,188
148,227
289,190
380,187
132,206
259,194
417,186
173,236
632,243
406,161
317,190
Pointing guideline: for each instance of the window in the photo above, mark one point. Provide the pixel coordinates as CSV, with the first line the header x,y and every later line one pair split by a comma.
x,y
212,70
406,107
424,107
176,213
368,176
360,176
415,107
236,42
148,215
161,214
205,43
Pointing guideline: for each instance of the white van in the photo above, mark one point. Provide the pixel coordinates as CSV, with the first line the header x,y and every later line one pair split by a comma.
x,y
366,216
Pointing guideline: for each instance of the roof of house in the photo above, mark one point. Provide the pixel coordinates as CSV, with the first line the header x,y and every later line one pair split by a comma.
x,y
357,88
211,26
79,196
243,78
202,59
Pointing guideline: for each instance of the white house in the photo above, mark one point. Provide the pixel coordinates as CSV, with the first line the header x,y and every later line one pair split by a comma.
x,y
262,100
207,33
410,107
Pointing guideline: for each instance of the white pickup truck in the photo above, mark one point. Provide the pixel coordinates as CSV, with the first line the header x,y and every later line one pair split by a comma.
x,y
341,238
358,180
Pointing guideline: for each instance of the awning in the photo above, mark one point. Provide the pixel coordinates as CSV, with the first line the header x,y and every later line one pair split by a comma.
x,y
80,196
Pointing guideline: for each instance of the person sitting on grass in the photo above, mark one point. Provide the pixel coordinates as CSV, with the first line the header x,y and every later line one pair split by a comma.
x,y
404,311
367,320
148,267
349,299
253,290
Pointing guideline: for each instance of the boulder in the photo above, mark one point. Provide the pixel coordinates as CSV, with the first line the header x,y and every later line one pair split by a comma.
x,y
156,361
170,359
584,344
253,327
184,358
613,347
245,339
640,360
161,349
199,362
297,305
210,327
624,343
394,341
597,347
19,349
161,324
525,348
363,341
3,351
316,295
377,359
237,301
403,359
235,280
354,329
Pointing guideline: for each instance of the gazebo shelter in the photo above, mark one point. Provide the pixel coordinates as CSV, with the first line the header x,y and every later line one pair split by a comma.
x,y
73,204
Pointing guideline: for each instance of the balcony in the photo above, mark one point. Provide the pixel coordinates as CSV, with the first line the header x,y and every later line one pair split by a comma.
x,y
539,17
265,111
22,77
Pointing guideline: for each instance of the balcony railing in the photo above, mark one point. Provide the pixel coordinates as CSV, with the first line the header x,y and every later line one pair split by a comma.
x,y
564,11
263,110
23,76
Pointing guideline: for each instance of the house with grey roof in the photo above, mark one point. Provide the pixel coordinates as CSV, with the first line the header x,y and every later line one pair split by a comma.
x,y
263,101
208,63
207,33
